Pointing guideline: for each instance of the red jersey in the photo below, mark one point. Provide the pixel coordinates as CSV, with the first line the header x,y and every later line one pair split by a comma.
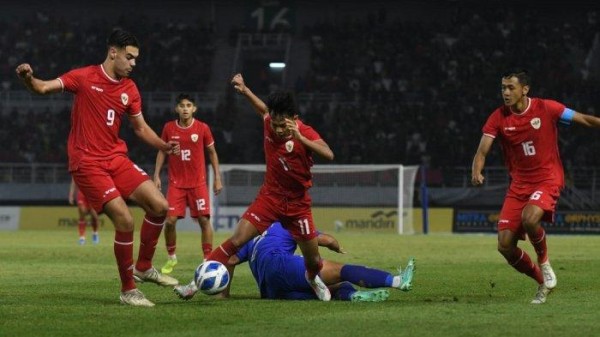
x,y
288,161
529,140
98,108
189,168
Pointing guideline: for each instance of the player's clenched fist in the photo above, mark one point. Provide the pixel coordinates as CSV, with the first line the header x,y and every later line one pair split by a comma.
x,y
24,71
238,83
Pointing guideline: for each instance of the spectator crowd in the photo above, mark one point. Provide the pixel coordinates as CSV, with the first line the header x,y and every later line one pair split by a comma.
x,y
379,90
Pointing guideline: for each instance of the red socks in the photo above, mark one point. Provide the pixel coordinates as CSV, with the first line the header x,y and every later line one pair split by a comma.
x,y
539,244
206,249
223,252
81,227
522,263
123,247
151,228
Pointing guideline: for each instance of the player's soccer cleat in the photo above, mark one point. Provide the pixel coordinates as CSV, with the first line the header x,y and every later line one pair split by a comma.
x,y
186,292
549,276
542,293
406,276
81,241
319,288
136,298
152,275
169,265
95,238
377,295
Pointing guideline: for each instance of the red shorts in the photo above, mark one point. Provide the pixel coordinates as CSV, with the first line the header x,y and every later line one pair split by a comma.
x,y
104,180
295,215
196,198
542,195
81,200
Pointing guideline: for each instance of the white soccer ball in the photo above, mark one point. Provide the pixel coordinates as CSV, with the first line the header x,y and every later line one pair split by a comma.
x,y
211,277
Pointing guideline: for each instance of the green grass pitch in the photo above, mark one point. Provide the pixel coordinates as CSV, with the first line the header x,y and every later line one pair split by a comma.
x,y
50,286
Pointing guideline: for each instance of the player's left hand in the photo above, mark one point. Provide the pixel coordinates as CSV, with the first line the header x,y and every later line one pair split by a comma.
x,y
175,149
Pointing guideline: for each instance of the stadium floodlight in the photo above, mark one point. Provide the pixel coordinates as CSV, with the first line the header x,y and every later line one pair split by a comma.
x,y
276,65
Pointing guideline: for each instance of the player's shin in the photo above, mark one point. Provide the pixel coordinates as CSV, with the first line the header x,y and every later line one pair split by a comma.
x,y
539,244
223,252
522,263
123,248
366,277
151,228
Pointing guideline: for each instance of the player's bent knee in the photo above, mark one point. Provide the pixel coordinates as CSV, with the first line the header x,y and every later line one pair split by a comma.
x,y
505,250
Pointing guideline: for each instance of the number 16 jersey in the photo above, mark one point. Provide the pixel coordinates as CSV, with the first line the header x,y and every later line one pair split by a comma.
x,y
529,140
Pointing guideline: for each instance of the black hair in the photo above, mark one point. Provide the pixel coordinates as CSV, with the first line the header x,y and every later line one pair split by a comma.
x,y
121,38
520,74
281,103
182,96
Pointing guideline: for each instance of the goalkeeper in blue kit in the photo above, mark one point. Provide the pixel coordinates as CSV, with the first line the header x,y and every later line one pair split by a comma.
x,y
279,273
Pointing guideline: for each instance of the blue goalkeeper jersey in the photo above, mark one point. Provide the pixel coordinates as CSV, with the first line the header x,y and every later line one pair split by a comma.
x,y
262,254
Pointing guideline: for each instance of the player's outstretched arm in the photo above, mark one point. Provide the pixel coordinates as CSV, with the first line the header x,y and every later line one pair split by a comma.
x,y
259,106
586,120
143,130
330,242
25,73
479,160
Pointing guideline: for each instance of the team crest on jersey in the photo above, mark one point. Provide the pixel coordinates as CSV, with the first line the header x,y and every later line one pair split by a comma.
x,y
289,145
536,123
194,137
124,98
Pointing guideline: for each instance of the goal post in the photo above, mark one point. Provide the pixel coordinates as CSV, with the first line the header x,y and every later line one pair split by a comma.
x,y
344,197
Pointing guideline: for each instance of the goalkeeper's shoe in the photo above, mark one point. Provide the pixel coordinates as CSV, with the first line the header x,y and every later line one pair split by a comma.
x,y
186,292
542,293
152,275
406,275
169,265
319,288
136,298
377,295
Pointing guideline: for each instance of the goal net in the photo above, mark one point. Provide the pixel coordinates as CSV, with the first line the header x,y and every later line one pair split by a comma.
x,y
345,197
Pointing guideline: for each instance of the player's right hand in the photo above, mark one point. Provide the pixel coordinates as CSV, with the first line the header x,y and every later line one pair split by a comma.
x,y
24,71
238,83
477,179
157,183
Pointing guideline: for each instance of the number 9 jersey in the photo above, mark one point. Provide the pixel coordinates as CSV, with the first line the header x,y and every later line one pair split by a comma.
x,y
99,105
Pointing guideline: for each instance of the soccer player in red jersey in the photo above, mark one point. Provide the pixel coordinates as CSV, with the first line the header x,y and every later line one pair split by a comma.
x,y
84,209
289,145
528,134
98,159
187,175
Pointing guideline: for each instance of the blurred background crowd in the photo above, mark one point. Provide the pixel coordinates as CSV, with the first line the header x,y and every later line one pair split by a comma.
x,y
378,87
